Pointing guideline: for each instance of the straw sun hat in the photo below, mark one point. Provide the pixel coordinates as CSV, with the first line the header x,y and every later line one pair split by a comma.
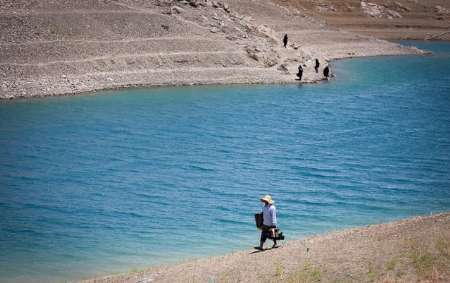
x,y
267,198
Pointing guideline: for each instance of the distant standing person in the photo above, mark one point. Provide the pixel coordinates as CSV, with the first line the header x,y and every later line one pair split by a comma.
x,y
285,40
316,67
326,72
300,72
269,212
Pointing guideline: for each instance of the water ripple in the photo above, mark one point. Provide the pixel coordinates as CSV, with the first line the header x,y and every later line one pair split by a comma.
x,y
97,184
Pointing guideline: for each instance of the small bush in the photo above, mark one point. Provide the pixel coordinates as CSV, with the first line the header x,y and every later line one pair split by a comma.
x,y
390,265
371,274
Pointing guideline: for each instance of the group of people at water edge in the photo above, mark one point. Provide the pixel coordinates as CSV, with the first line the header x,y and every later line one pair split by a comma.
x,y
326,70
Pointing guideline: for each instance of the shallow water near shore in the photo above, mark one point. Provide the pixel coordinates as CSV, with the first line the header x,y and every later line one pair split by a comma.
x,y
93,185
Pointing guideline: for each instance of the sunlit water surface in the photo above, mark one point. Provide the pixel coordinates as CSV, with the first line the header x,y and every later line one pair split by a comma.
x,y
92,185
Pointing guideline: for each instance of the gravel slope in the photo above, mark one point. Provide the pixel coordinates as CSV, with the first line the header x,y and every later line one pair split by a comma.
x,y
413,250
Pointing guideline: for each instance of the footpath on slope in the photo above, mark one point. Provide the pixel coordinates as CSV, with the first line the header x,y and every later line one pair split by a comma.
x,y
412,250
69,47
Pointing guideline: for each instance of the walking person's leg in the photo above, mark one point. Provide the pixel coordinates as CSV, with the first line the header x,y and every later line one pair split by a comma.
x,y
264,236
273,237
275,244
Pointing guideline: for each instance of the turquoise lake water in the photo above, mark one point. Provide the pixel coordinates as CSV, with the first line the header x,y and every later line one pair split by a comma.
x,y
92,185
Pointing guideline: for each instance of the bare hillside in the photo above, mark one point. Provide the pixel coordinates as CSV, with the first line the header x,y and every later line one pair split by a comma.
x,y
52,47
388,19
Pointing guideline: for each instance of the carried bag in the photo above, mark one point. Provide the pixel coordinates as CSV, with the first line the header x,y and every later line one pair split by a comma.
x,y
259,224
278,235
259,220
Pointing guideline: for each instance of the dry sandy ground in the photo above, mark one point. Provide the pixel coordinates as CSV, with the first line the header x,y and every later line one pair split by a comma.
x,y
52,47
413,250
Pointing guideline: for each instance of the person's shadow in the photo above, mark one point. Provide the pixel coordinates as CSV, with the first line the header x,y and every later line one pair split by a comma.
x,y
264,250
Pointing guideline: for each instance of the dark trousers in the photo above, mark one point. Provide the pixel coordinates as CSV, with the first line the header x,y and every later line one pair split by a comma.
x,y
265,233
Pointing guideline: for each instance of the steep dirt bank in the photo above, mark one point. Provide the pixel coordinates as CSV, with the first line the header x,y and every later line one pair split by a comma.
x,y
414,250
65,47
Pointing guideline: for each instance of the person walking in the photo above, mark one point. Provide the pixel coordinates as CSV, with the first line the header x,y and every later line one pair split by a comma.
x,y
285,40
316,67
300,72
269,212
326,72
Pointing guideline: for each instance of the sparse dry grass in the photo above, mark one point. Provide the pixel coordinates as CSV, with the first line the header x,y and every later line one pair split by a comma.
x,y
307,274
443,246
415,260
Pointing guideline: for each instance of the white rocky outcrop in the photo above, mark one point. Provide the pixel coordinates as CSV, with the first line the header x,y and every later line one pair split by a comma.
x,y
378,11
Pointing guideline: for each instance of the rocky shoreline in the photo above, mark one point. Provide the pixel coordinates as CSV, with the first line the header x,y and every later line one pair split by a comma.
x,y
73,47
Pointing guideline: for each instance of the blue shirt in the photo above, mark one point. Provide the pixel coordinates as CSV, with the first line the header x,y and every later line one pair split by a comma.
x,y
269,215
